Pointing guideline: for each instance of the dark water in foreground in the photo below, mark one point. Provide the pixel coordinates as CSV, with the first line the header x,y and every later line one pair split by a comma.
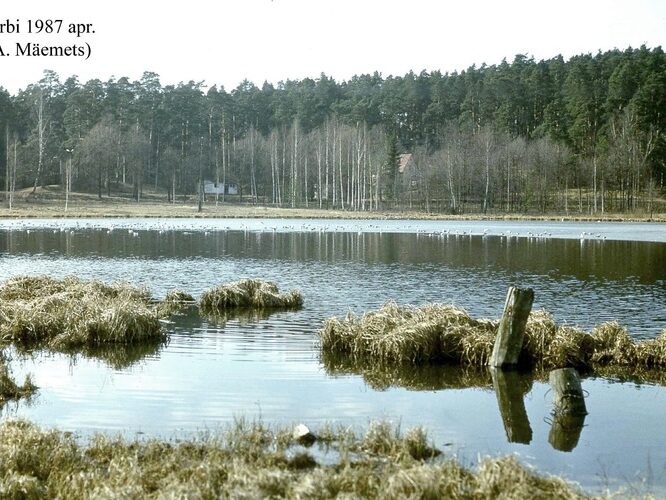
x,y
210,373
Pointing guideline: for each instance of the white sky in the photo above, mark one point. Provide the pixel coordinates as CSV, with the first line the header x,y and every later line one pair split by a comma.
x,y
224,41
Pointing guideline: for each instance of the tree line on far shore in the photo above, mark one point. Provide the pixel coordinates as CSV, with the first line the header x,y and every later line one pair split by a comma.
x,y
583,135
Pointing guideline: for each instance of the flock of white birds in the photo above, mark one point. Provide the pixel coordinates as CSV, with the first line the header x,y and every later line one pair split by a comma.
x,y
207,227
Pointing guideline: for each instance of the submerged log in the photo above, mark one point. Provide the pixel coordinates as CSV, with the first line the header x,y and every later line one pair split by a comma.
x,y
567,392
510,389
509,340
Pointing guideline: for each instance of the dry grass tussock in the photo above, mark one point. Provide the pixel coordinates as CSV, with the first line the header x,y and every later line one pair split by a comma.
x,y
414,335
73,312
251,461
436,333
248,294
9,388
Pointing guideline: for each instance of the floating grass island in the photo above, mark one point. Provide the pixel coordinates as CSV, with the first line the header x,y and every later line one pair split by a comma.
x,y
437,333
253,461
67,313
117,322
248,294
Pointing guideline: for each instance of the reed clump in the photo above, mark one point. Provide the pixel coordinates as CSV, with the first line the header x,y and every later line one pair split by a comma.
x,y
396,334
72,312
252,461
437,333
9,387
177,295
248,294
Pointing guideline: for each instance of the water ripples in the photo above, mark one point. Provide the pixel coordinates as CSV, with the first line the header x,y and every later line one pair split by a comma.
x,y
215,369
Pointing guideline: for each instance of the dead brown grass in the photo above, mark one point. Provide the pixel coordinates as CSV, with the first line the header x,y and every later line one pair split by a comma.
x,y
252,461
436,333
71,312
248,294
174,302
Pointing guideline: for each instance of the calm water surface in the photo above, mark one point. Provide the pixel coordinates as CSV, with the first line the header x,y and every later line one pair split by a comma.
x,y
210,373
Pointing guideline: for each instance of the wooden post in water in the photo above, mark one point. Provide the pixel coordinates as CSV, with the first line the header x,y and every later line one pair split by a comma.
x,y
568,409
509,340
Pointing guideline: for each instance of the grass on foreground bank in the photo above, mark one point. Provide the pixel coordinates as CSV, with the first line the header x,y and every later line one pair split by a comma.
x,y
49,202
437,333
252,461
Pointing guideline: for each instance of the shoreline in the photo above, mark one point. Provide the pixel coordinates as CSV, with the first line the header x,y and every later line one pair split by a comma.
x,y
49,203
151,210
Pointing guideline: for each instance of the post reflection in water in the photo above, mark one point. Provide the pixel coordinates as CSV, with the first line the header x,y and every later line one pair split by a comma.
x,y
565,431
569,408
510,389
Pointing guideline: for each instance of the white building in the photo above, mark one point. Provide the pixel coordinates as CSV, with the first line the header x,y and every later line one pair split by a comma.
x,y
211,187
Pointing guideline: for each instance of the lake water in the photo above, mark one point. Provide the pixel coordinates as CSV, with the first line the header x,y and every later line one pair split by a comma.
x,y
269,368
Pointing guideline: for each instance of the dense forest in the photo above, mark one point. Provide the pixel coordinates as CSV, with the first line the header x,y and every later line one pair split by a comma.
x,y
583,135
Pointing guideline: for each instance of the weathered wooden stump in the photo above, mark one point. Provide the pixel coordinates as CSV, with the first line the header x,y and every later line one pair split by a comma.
x,y
568,409
510,389
509,340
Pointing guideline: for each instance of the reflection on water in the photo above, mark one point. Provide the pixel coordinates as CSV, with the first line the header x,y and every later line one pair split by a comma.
x,y
192,315
599,260
534,230
216,369
428,377
565,431
582,283
510,389
116,356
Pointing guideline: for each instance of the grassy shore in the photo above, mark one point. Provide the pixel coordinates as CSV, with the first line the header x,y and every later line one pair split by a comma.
x,y
249,460
49,202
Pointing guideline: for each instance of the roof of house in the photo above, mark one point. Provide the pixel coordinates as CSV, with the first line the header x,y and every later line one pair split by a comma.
x,y
403,161
229,182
